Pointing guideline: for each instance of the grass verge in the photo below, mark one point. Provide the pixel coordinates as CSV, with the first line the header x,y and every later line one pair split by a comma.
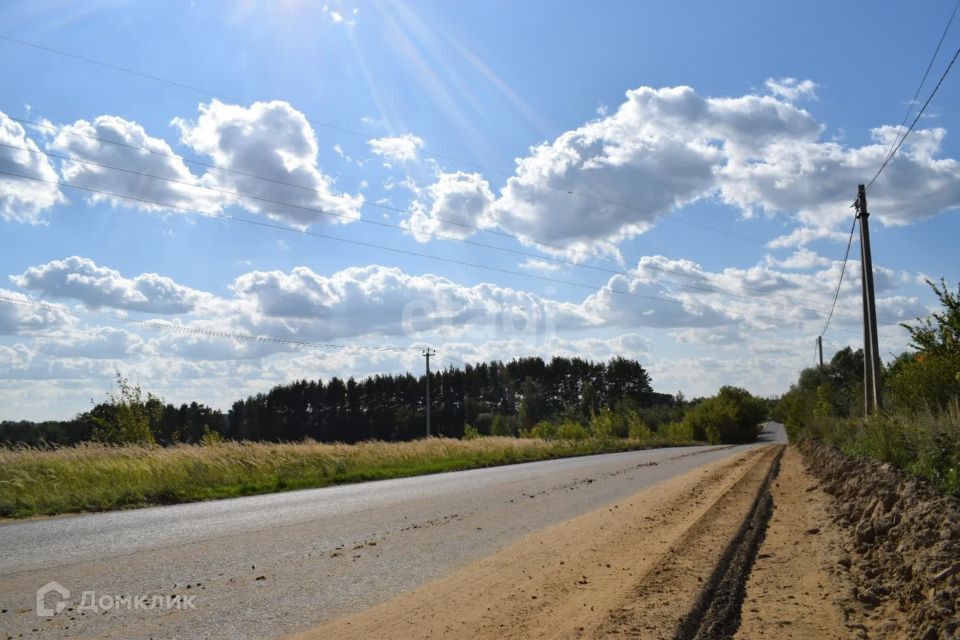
x,y
91,477
923,444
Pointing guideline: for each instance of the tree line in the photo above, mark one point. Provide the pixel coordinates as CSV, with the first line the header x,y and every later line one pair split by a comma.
x,y
499,398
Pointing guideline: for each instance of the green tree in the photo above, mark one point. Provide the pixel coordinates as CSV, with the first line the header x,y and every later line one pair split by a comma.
x,y
939,335
503,426
930,378
125,416
731,416
533,406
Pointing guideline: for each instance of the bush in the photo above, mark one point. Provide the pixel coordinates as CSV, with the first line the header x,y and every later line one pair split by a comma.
x,y
608,424
571,430
676,432
545,430
921,381
210,437
470,432
732,416
484,423
504,426
637,428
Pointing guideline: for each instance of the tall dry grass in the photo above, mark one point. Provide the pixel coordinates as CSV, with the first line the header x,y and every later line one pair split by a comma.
x,y
93,477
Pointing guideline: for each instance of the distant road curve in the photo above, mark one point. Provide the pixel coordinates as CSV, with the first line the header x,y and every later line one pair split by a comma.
x,y
263,566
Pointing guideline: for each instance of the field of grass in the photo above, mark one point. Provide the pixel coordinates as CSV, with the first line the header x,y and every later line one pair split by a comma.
x,y
93,477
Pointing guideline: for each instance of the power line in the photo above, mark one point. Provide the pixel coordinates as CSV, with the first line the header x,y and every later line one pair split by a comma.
x,y
406,252
843,268
791,301
923,81
182,329
915,120
367,136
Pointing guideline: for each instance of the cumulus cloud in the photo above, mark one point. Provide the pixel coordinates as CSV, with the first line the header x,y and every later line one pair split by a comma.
x,y
543,266
23,199
791,89
389,301
816,181
96,342
25,319
402,148
802,236
150,157
611,179
802,258
380,306
453,206
95,286
274,142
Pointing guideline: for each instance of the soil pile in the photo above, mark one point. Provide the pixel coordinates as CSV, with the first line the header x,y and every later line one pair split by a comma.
x,y
905,541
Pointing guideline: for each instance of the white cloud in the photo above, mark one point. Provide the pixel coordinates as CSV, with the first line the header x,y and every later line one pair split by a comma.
x,y
95,342
801,236
664,325
791,89
270,140
802,258
95,286
23,199
153,157
458,203
24,319
611,179
543,266
387,301
402,148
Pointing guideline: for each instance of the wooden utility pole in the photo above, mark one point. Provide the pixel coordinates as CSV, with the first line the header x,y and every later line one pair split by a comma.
x,y
820,351
871,356
427,353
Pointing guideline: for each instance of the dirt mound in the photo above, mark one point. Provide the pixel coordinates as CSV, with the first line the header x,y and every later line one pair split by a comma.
x,y
905,542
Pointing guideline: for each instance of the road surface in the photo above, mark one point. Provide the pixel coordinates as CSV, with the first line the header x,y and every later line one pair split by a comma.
x,y
264,566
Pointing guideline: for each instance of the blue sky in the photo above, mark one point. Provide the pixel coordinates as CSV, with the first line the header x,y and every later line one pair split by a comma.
x,y
706,146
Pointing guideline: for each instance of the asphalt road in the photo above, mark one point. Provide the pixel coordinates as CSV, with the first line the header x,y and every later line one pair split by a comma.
x,y
267,565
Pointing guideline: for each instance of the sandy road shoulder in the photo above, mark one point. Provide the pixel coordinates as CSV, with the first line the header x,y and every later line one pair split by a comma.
x,y
638,564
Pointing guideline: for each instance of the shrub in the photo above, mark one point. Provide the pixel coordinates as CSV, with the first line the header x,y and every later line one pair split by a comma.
x,y
731,416
545,430
676,432
571,430
210,437
470,432
922,381
484,423
503,426
637,428
608,424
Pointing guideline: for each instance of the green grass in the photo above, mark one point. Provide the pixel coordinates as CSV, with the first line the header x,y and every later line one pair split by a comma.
x,y
926,444
93,477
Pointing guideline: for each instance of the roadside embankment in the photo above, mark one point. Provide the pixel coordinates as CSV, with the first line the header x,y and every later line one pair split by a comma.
x,y
903,544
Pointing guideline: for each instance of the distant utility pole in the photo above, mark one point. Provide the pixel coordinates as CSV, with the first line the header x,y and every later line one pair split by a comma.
x,y
871,350
427,353
820,351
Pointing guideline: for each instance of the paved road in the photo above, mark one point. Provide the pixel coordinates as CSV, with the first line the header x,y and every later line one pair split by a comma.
x,y
266,565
